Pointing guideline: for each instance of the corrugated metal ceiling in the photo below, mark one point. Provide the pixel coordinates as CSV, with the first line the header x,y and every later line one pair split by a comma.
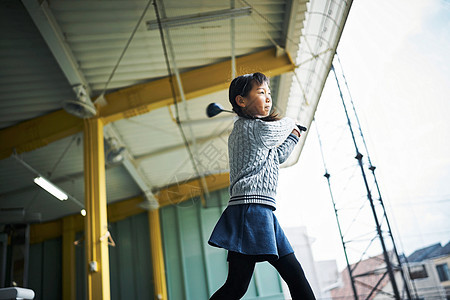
x,y
96,33
25,92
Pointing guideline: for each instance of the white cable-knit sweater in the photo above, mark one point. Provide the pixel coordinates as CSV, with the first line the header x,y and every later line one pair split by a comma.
x,y
256,148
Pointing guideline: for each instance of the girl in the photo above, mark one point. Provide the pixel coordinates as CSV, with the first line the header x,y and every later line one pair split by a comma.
x,y
248,228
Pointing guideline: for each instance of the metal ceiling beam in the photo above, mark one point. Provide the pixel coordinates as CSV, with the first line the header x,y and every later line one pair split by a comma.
x,y
132,167
142,98
198,18
178,193
38,132
54,37
139,99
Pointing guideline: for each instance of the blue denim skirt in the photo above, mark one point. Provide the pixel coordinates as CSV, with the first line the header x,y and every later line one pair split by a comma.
x,y
251,229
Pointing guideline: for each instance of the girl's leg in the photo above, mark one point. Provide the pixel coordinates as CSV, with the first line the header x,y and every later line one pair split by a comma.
x,y
291,272
240,271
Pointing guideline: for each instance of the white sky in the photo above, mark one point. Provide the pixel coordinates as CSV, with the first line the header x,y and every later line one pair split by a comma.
x,y
395,56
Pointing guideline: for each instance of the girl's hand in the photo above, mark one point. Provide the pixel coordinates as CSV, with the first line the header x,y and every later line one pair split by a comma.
x,y
296,132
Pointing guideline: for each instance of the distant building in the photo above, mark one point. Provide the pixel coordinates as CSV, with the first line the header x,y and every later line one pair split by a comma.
x,y
301,243
373,268
329,278
426,271
322,275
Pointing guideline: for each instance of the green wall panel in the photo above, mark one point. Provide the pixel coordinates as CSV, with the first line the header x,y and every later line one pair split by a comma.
x,y
195,270
130,261
45,270
268,280
173,254
215,258
35,269
130,265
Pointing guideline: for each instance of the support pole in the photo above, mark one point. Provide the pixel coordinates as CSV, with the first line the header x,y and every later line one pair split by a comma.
x,y
344,244
372,168
399,262
159,274
327,176
359,157
96,222
68,267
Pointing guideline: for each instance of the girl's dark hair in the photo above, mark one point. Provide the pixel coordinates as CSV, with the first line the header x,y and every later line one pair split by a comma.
x,y
242,85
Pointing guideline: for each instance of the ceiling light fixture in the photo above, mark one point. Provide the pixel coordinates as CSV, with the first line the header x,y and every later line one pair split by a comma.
x,y
82,106
49,187
114,153
46,185
200,18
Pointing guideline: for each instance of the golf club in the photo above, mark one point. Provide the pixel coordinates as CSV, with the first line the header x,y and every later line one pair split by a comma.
x,y
214,109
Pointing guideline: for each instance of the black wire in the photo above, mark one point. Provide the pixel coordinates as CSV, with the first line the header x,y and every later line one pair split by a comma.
x,y
172,88
166,57
125,49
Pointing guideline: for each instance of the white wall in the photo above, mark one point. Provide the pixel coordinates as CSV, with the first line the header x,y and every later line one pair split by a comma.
x,y
301,243
328,276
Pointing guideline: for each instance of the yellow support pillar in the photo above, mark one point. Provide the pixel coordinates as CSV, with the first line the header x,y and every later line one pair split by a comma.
x,y
159,273
96,221
68,267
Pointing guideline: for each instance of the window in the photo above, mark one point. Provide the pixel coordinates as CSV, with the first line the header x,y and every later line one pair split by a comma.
x,y
444,274
417,272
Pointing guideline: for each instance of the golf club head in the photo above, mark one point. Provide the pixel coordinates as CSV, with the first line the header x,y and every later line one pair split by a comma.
x,y
213,109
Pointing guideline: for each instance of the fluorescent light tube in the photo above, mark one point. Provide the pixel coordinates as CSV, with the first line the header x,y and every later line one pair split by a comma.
x,y
201,17
49,187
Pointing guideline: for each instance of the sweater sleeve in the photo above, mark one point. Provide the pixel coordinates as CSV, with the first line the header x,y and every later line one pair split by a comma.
x,y
285,149
272,134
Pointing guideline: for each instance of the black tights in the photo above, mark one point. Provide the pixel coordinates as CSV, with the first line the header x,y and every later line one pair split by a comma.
x,y
240,271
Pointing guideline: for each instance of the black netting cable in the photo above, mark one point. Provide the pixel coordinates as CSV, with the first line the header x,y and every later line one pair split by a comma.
x,y
172,88
125,48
